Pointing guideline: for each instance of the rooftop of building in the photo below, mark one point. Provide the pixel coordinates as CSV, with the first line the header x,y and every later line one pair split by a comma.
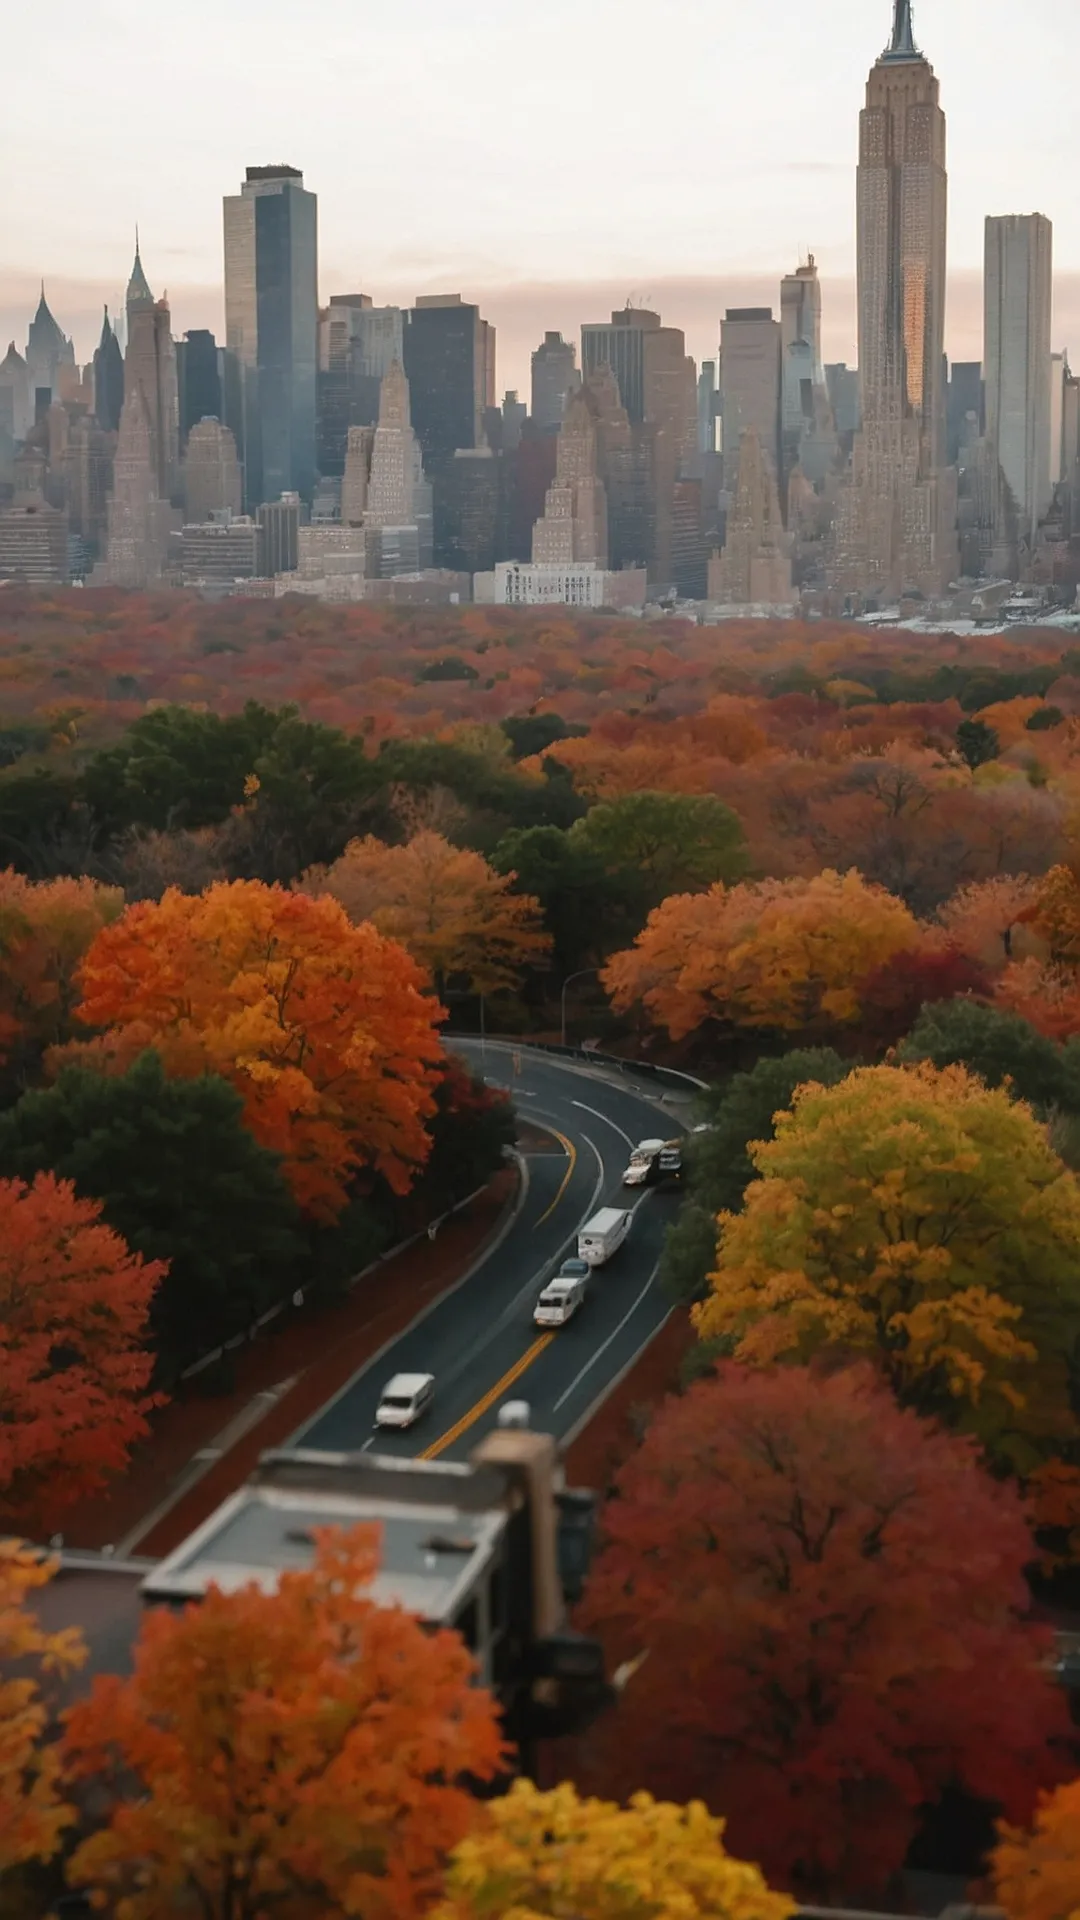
x,y
279,172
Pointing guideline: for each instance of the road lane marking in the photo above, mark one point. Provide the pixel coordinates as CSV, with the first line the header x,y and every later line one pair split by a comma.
x,y
571,1152
597,1115
487,1400
590,1364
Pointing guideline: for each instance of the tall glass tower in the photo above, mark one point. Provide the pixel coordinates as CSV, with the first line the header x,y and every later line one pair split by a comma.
x,y
272,326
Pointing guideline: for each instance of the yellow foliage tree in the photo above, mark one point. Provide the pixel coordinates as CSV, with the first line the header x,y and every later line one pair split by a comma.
x,y
1037,1874
917,1215
32,1814
788,954
445,904
545,1856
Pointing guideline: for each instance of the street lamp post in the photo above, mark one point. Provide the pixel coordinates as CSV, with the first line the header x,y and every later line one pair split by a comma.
x,y
581,974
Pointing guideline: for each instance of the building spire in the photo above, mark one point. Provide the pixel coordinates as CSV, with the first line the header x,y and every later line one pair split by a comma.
x,y
902,45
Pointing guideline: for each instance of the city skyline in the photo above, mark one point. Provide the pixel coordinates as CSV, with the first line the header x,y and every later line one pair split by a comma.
x,y
524,238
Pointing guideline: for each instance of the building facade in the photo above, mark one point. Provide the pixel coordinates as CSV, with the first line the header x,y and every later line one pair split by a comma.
x,y
272,325
749,385
554,377
1017,293
754,568
515,583
574,522
449,361
212,483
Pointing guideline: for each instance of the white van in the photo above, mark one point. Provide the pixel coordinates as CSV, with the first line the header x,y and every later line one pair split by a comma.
x,y
560,1300
405,1399
601,1235
643,1163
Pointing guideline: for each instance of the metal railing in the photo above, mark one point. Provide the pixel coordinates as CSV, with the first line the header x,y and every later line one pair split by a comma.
x,y
592,1055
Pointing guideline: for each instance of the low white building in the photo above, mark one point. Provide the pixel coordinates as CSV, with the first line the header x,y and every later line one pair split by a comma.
x,y
579,583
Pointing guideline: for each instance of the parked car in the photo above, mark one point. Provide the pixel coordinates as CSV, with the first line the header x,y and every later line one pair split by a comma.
x,y
601,1236
405,1399
560,1300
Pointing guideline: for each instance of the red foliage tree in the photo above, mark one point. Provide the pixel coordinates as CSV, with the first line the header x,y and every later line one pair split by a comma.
x,y
823,1584
73,1371
891,996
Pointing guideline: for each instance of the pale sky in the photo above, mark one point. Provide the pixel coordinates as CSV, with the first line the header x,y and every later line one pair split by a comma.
x,y
549,159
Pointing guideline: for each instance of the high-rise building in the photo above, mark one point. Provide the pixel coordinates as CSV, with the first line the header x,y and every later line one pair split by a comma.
x,y
16,396
272,326
842,382
707,407
554,377
620,345
34,544
198,369
212,483
896,521
749,385
754,568
150,369
354,485
965,398
108,378
1017,291
449,361
807,423
669,437
800,312
1060,382
574,522
398,510
139,520
48,350
279,534
219,552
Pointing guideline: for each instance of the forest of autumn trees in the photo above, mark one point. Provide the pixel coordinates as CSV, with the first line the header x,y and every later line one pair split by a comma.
x,y
250,855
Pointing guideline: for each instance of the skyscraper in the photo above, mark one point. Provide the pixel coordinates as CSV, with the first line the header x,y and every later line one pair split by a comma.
x,y
749,385
554,376
754,568
199,379
397,511
272,325
108,378
150,368
895,525
16,395
1016,356
211,472
449,361
620,344
47,350
574,522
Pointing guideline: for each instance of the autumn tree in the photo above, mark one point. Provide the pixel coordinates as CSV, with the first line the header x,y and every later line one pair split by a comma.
x,y
46,928
32,1814
781,954
917,1216
181,1179
445,904
539,1855
717,1164
988,920
74,1304
890,998
323,1027
1036,1874
303,1750
672,841
820,1583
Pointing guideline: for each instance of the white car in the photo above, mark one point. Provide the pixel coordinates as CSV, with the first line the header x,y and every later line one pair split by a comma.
x,y
560,1300
405,1399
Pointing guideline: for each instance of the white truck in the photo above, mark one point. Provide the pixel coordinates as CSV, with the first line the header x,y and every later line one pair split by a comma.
x,y
560,1300
603,1234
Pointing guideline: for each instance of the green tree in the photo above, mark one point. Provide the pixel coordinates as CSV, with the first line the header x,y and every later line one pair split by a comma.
x,y
977,742
174,767
676,842
180,1179
530,733
717,1163
587,910
1000,1047
917,1216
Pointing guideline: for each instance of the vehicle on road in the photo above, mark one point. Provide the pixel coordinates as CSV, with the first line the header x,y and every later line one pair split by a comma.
x,y
405,1399
642,1164
574,1270
669,1164
601,1236
560,1300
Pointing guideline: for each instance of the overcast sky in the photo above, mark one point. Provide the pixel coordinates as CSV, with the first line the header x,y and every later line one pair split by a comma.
x,y
549,158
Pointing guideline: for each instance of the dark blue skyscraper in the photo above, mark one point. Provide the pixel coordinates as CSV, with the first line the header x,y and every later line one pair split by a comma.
x,y
272,320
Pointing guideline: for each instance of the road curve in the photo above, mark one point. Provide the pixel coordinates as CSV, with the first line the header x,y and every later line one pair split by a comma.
x,y
479,1340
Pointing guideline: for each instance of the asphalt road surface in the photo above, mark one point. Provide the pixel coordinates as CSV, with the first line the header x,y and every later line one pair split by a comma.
x,y
479,1341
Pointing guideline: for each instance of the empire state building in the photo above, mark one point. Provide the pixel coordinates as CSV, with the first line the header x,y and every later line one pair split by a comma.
x,y
896,525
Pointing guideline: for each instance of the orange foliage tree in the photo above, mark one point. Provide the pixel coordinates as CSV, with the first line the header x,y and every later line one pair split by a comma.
x,y
74,1306
445,904
1037,1874
786,954
986,920
303,1751
821,1583
1046,989
45,929
32,1814
324,1027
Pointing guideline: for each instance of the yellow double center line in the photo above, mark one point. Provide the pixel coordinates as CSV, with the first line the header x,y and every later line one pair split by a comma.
x,y
487,1400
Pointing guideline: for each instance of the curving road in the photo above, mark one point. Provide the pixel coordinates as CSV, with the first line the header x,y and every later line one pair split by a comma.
x,y
479,1340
